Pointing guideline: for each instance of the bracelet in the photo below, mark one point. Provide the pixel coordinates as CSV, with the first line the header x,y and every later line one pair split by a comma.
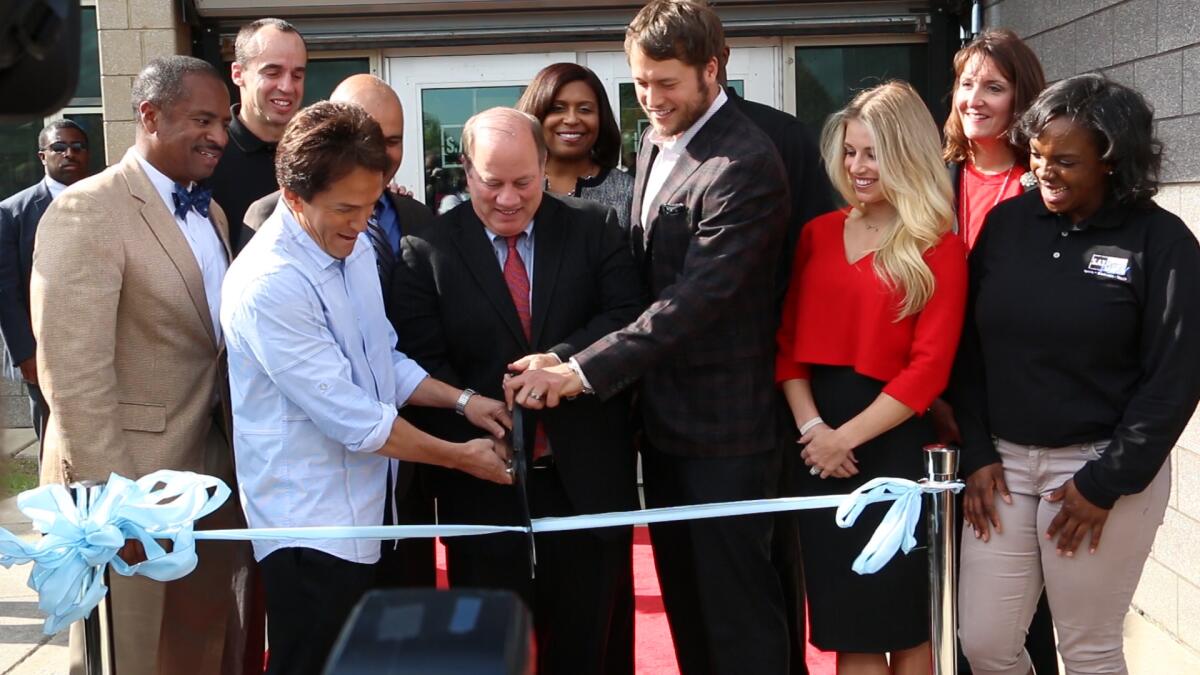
x,y
810,425
460,406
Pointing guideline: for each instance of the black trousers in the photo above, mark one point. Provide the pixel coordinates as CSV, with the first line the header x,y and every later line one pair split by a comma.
x,y
408,563
309,595
581,597
722,594
785,548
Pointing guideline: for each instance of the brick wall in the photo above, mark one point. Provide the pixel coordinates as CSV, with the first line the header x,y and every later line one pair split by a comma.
x,y
1153,45
132,32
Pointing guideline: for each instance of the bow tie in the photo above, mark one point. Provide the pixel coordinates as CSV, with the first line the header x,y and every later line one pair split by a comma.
x,y
185,200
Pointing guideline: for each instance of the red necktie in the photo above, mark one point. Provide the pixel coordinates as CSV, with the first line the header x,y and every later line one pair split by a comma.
x,y
518,288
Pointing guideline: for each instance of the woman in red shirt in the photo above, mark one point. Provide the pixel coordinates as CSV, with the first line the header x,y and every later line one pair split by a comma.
x,y
996,77
866,343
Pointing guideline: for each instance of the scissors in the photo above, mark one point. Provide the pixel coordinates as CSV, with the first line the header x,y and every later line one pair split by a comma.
x,y
520,472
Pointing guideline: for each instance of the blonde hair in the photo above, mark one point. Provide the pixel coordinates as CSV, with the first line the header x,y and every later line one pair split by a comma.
x,y
913,179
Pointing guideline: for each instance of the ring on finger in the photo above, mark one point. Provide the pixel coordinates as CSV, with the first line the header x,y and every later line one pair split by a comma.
x,y
815,471
535,396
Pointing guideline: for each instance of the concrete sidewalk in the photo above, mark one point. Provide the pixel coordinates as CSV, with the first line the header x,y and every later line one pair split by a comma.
x,y
23,647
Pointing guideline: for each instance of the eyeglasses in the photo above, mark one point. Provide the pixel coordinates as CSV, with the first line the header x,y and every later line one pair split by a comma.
x,y
61,147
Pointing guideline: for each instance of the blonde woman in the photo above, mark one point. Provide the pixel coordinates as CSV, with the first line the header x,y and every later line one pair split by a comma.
x,y
867,341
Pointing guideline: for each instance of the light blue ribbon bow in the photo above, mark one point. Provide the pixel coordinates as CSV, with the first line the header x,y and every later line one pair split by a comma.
x,y
77,543
895,531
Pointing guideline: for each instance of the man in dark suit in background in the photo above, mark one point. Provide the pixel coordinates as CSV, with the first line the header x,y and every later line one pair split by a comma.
x,y
710,207
403,562
812,195
63,150
516,274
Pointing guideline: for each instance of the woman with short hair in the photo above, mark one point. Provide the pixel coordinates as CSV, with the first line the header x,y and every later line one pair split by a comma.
x,y
1078,372
866,343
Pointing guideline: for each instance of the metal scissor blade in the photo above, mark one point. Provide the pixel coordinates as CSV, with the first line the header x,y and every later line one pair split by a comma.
x,y
520,460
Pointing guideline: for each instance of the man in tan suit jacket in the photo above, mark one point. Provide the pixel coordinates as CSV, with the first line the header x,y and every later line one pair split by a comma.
x,y
125,299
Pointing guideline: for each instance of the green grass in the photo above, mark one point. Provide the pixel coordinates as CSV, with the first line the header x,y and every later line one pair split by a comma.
x,y
17,475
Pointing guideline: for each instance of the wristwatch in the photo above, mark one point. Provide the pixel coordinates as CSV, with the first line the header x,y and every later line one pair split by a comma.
x,y
460,406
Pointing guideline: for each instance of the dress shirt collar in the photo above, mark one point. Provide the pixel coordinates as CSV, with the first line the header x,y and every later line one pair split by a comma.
x,y
164,185
316,254
492,236
680,141
54,187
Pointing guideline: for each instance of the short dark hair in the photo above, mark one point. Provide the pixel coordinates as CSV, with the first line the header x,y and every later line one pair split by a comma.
x,y
1121,122
677,29
161,81
325,142
242,52
539,97
1018,64
62,123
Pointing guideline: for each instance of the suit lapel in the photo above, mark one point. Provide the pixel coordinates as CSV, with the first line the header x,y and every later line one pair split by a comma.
x,y
697,150
637,230
548,232
170,237
683,169
480,259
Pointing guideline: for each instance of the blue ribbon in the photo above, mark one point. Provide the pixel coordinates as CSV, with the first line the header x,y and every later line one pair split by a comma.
x,y
77,543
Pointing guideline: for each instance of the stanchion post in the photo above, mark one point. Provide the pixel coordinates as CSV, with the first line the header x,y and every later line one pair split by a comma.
x,y
93,634
941,464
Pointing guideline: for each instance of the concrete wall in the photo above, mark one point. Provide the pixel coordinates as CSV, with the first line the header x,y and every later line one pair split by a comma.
x,y
1153,45
132,32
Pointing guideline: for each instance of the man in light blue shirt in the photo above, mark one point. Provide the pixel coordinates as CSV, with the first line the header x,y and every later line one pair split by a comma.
x,y
315,380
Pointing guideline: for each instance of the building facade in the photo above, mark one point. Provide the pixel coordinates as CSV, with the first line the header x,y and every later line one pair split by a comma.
x,y
452,58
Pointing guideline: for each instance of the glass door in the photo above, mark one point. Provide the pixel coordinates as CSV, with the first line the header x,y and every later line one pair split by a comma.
x,y
439,94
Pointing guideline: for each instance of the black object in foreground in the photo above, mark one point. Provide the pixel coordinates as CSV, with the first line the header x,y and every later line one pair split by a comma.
x,y
411,631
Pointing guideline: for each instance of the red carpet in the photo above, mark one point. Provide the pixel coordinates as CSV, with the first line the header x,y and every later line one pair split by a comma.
x,y
655,653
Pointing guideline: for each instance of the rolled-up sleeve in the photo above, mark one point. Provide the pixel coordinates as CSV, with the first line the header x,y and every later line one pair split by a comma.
x,y
409,375
279,323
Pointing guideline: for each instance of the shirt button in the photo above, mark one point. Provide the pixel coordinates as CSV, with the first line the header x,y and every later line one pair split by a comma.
x,y
325,387
1064,234
1057,255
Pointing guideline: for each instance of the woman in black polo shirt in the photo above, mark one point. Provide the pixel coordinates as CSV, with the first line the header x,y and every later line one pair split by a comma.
x,y
1079,368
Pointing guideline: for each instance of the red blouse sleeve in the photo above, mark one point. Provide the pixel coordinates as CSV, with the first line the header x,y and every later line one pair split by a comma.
x,y
786,367
937,329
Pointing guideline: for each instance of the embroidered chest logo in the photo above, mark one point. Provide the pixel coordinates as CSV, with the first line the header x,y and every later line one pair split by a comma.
x,y
1108,267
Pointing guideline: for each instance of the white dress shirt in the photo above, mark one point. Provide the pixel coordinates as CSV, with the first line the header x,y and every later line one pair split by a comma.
x,y
670,150
314,378
202,238
54,187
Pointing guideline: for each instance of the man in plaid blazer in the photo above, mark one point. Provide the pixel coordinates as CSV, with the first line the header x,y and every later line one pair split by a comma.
x,y
710,206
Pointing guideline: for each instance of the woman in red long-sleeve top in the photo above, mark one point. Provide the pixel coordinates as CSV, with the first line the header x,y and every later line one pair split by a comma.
x,y
867,341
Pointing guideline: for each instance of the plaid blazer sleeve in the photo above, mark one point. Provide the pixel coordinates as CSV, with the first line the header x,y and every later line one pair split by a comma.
x,y
738,207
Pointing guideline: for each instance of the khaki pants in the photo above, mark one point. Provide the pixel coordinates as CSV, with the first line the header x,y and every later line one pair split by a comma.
x,y
192,626
1089,594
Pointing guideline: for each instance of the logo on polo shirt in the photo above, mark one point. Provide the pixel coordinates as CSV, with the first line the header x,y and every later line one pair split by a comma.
x,y
1108,267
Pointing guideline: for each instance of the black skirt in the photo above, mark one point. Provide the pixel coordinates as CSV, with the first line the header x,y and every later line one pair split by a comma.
x,y
869,613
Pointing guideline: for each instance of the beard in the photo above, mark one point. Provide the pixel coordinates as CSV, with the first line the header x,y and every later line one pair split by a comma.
x,y
688,112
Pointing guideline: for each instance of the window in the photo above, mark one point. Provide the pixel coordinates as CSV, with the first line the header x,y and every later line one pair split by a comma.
x,y
19,165
828,77
443,114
